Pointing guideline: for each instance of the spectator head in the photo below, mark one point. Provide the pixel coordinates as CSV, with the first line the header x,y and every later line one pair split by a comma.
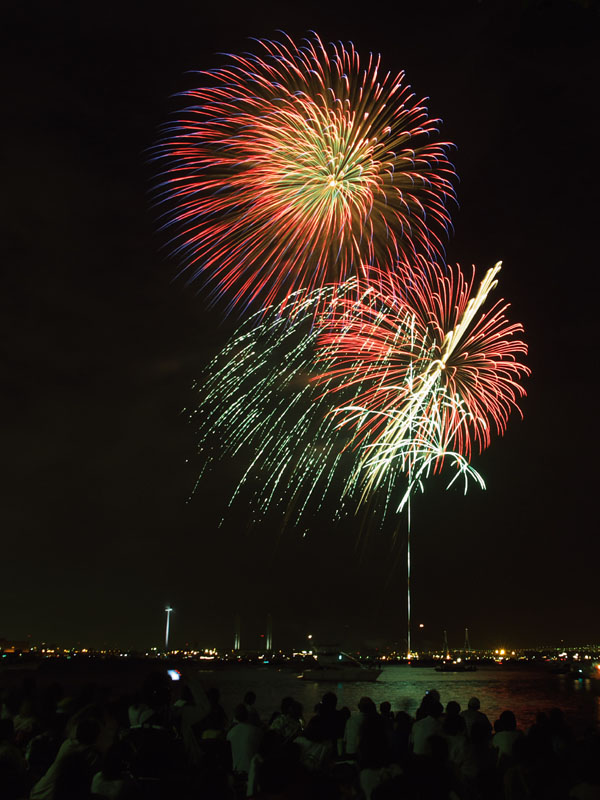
x,y
249,698
436,709
329,701
286,704
403,722
366,705
452,709
429,700
385,708
241,713
508,721
556,718
474,704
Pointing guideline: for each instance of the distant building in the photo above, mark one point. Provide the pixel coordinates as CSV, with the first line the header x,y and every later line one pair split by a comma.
x,y
14,646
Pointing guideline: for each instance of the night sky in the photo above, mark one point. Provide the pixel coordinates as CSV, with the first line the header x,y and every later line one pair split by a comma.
x,y
101,343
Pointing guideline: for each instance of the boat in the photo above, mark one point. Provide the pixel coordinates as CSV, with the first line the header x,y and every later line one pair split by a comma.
x,y
456,666
334,665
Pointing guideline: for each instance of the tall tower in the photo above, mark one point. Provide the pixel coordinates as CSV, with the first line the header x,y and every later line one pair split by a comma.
x,y
446,648
269,641
236,634
467,644
168,611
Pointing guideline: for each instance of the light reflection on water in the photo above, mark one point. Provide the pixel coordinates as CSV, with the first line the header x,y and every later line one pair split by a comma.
x,y
522,691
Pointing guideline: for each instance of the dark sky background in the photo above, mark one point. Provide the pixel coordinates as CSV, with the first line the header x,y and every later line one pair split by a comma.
x,y
101,345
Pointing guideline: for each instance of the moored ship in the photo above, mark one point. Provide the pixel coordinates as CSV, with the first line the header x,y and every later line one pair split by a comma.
x,y
332,664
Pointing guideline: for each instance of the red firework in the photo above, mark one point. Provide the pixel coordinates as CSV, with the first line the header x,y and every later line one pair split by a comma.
x,y
297,166
422,348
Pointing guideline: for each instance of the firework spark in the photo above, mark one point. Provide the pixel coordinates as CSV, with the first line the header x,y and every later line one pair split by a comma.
x,y
426,363
297,166
265,403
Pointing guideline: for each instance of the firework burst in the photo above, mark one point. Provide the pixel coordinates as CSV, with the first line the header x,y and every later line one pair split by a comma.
x,y
427,363
266,404
298,165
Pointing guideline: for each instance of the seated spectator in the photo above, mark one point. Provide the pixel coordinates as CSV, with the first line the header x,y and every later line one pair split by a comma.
x,y
506,735
344,715
453,730
289,723
430,696
270,746
478,769
25,723
366,708
244,739
153,708
253,715
214,723
473,715
333,721
111,779
316,747
400,736
374,755
453,710
43,748
423,729
561,737
385,712
87,733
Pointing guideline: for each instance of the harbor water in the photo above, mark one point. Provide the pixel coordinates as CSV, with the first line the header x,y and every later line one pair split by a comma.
x,y
525,692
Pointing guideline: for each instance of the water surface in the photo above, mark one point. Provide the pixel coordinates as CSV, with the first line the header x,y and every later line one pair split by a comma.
x,y
525,692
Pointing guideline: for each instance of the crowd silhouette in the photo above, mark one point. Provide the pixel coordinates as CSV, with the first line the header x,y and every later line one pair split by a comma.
x,y
175,740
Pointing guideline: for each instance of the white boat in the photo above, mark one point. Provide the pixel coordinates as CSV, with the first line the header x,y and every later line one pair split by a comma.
x,y
335,665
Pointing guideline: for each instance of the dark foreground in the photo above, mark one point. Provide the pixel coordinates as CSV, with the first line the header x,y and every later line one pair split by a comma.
x,y
163,739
